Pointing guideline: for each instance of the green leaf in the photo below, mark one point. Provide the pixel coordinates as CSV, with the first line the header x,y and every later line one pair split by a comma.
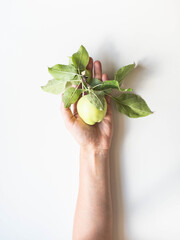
x,y
99,85
87,74
95,81
70,61
63,72
126,89
108,91
76,80
97,99
132,105
54,86
71,95
123,72
80,59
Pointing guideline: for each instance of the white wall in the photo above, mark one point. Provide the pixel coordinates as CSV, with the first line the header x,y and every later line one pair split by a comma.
x,y
39,158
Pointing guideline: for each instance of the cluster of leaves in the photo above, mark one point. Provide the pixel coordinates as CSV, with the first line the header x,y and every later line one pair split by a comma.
x,y
74,79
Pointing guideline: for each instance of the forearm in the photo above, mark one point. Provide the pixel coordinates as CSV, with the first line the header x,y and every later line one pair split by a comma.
x,y
93,216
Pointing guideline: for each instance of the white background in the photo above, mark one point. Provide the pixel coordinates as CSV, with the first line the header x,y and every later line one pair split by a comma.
x,y
39,158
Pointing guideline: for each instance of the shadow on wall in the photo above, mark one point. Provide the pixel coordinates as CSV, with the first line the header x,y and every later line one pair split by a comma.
x,y
109,59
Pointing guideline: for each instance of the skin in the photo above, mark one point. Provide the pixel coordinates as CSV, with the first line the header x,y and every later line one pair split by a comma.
x,y
93,215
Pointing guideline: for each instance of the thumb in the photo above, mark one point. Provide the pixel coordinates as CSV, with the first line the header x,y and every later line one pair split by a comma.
x,y
67,115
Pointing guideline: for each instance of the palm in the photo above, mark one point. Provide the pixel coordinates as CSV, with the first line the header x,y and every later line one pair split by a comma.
x,y
98,135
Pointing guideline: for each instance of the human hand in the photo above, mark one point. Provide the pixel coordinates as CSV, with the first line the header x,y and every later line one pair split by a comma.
x,y
99,135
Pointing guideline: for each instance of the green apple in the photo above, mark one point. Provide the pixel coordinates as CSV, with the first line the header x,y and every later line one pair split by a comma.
x,y
88,112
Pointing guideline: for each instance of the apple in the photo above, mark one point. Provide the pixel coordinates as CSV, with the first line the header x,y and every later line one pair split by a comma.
x,y
88,112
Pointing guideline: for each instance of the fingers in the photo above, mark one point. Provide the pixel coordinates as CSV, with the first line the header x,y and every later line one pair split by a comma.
x,y
75,108
97,70
67,115
90,66
109,110
106,78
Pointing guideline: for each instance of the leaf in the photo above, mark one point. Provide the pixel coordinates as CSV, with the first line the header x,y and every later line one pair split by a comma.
x,y
87,74
54,86
97,99
132,105
123,72
126,89
95,81
68,84
80,59
76,80
108,91
71,95
63,72
99,85
70,61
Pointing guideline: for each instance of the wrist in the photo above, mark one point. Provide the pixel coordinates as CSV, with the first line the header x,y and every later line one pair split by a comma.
x,y
93,158
92,150
94,161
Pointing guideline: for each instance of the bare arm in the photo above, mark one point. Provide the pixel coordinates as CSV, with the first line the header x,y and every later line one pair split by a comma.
x,y
93,216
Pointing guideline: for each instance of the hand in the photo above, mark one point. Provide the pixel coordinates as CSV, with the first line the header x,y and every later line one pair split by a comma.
x,y
99,135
